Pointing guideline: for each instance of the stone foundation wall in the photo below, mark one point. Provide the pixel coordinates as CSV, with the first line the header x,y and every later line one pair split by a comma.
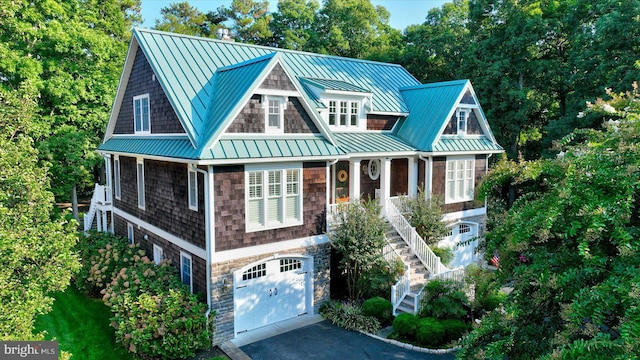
x,y
222,285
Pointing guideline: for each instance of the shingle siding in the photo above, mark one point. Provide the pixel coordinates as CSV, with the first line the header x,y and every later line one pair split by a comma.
x,y
278,80
141,81
439,180
166,198
230,202
251,118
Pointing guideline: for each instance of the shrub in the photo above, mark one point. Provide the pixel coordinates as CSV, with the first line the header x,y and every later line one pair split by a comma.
x,y
378,282
143,276
406,325
348,315
426,216
103,255
454,329
380,308
444,300
444,253
430,331
168,325
492,301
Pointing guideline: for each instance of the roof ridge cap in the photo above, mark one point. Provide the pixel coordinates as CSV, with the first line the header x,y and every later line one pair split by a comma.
x,y
265,57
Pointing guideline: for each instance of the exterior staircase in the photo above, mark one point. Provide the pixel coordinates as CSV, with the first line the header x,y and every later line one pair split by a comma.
x,y
418,273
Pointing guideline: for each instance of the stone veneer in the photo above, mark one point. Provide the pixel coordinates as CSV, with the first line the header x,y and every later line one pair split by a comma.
x,y
222,285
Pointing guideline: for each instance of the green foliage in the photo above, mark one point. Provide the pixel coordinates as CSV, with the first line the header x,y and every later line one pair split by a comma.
x,y
141,276
358,239
406,325
444,300
430,332
570,245
182,18
426,216
379,280
169,324
103,255
454,329
250,21
349,315
292,24
36,246
380,308
444,253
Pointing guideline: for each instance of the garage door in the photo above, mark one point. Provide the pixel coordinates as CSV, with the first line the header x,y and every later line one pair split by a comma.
x,y
271,291
463,239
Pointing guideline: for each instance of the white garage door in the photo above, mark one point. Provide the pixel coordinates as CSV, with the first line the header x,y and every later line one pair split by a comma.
x,y
271,291
463,239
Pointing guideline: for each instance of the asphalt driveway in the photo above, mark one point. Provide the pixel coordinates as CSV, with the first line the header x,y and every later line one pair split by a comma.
x,y
326,341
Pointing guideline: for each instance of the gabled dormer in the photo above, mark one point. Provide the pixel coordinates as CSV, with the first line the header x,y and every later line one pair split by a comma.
x,y
342,105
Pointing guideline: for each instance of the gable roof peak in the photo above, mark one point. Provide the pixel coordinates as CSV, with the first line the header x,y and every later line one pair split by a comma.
x,y
267,57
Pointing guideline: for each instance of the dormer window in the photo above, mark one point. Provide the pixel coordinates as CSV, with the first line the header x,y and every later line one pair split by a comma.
x,y
142,123
274,113
344,113
463,115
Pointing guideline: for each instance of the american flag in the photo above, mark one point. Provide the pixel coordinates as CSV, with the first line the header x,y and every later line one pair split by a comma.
x,y
495,260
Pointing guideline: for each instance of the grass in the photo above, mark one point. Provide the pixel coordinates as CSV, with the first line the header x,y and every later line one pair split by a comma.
x,y
81,327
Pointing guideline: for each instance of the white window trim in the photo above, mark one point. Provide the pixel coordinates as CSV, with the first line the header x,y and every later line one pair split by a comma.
x,y
468,183
158,250
282,100
135,130
130,233
264,170
337,113
467,112
183,256
140,183
117,189
192,189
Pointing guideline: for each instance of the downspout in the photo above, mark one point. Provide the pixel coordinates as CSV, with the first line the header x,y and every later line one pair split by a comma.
x,y
208,225
329,191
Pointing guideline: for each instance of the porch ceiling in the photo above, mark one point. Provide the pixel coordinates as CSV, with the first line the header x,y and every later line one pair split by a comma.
x,y
373,142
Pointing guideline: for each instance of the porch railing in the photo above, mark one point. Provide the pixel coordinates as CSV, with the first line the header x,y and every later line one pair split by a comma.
x,y
430,260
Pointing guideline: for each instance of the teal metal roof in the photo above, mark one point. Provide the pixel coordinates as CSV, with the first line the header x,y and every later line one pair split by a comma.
x,y
330,84
271,148
178,147
429,109
185,67
371,142
481,144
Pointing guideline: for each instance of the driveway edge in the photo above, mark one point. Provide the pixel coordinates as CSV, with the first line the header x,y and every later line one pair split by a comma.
x,y
412,347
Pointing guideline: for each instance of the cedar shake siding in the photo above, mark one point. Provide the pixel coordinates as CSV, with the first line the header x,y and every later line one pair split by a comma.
x,y
278,80
473,125
162,116
166,197
171,252
251,118
399,177
439,179
381,122
467,98
230,202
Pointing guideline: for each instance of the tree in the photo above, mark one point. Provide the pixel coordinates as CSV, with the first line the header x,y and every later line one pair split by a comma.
x,y
434,50
358,239
250,21
36,247
292,24
183,18
72,53
353,28
569,246
425,215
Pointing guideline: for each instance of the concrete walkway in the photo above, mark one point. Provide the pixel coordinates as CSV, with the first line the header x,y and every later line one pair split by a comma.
x,y
311,337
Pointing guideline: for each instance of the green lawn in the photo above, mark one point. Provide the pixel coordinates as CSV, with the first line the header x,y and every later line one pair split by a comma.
x,y
81,327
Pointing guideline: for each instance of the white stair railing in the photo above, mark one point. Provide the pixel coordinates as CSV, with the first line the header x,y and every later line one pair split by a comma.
x,y
401,288
408,233
90,215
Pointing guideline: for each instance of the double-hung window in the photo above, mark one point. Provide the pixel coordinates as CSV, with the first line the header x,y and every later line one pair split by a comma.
x,y
116,177
142,123
274,107
185,270
332,112
193,189
273,197
140,177
344,114
463,115
459,179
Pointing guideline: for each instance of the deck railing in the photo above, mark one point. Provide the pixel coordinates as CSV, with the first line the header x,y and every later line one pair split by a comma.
x,y
101,196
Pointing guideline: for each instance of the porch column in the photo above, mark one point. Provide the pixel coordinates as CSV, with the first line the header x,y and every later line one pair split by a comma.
x,y
354,182
385,183
428,177
412,185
